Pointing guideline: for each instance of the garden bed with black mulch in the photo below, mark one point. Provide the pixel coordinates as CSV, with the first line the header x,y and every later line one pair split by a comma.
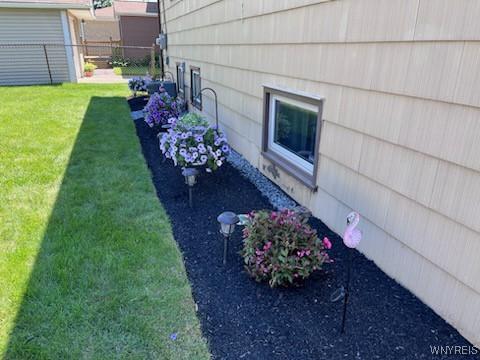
x,y
243,319
138,103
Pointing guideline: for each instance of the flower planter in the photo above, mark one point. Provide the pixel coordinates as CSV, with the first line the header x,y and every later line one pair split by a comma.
x,y
160,110
153,86
192,142
88,73
170,87
138,84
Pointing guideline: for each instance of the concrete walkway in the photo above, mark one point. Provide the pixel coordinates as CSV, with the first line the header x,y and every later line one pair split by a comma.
x,y
104,76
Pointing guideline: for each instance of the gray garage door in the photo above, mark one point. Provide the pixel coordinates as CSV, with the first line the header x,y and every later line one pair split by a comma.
x,y
23,65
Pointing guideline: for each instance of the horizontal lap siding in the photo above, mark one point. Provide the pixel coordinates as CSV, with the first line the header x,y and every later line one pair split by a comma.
x,y
27,65
399,143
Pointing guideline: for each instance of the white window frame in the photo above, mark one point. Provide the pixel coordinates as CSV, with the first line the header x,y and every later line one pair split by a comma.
x,y
278,155
280,150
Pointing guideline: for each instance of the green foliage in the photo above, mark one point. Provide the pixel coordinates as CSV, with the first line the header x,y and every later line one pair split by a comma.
x,y
118,60
281,248
89,67
191,120
98,4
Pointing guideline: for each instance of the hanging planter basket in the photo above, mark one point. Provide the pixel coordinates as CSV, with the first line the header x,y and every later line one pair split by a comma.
x,y
192,142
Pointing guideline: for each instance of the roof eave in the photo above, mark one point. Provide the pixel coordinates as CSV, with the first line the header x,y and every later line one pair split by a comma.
x,y
37,5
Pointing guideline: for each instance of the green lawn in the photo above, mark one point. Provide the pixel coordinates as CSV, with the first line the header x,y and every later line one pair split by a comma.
x,y
133,70
88,265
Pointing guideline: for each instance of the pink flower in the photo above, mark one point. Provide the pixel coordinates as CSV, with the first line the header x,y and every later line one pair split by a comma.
x,y
327,243
267,246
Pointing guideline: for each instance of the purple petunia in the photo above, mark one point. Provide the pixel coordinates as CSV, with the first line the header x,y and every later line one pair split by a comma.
x,y
159,110
225,148
200,147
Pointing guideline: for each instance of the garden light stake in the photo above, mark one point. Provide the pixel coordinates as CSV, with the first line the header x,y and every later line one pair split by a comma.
x,y
190,175
227,221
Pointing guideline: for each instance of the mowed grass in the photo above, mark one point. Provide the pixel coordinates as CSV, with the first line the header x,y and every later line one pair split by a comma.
x,y
133,70
88,265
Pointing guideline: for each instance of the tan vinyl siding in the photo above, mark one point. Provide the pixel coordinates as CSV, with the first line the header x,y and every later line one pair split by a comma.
x,y
27,65
400,140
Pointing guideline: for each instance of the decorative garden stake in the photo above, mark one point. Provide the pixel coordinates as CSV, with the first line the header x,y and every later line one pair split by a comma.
x,y
216,103
190,175
169,73
227,221
351,239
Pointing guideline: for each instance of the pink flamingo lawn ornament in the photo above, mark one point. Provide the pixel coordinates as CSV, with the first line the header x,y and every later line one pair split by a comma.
x,y
351,238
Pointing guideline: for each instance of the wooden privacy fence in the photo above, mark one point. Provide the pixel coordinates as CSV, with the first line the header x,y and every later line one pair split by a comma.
x,y
99,48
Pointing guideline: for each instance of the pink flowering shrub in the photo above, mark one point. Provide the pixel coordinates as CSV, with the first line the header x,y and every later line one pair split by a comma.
x,y
281,248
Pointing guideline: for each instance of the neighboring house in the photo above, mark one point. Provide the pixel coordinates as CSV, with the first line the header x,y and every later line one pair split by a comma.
x,y
366,105
104,27
138,25
133,23
37,22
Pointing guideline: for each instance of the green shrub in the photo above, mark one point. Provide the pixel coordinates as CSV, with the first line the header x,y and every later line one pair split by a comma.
x,y
89,67
191,120
281,248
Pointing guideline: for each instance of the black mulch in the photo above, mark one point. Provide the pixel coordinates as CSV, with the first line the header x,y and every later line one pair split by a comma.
x,y
243,319
137,103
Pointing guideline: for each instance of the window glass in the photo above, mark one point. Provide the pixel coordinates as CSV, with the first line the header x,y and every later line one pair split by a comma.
x,y
196,88
295,129
180,79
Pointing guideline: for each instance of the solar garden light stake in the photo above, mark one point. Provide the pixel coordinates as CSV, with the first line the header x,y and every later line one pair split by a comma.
x,y
216,102
351,239
190,175
227,221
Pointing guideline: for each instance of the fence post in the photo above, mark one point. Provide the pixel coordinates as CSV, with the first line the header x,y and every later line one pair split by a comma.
x,y
48,64
85,47
152,61
111,47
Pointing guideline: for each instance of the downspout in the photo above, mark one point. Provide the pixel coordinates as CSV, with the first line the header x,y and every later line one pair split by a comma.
x,y
167,60
82,30
160,32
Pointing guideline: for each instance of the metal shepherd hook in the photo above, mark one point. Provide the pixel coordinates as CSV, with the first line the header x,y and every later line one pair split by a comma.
x,y
216,103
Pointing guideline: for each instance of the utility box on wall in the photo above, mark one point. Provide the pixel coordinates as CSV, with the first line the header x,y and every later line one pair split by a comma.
x,y
161,41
